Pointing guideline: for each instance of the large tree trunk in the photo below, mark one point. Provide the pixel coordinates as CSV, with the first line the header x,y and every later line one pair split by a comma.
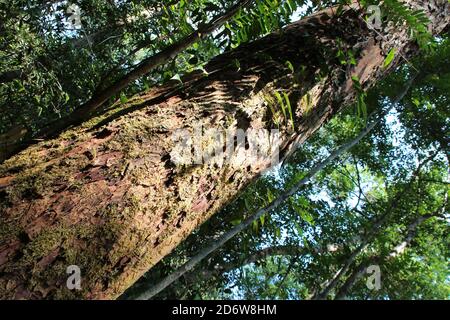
x,y
108,196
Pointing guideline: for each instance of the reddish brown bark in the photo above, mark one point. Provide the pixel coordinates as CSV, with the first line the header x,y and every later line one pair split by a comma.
x,y
107,196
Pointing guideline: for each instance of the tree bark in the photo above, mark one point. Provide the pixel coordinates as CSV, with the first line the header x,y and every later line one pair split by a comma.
x,y
107,195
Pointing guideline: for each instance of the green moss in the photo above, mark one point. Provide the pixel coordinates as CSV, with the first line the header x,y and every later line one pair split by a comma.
x,y
9,230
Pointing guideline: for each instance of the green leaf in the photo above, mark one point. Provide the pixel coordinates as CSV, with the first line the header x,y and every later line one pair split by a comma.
x,y
235,222
280,102
307,217
270,195
246,204
289,108
123,98
255,226
237,64
390,57
290,66
277,233
301,206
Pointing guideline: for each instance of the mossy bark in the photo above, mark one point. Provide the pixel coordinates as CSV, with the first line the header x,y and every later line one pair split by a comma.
x,y
106,196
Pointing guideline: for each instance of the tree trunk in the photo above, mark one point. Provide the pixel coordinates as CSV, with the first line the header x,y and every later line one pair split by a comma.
x,y
109,197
